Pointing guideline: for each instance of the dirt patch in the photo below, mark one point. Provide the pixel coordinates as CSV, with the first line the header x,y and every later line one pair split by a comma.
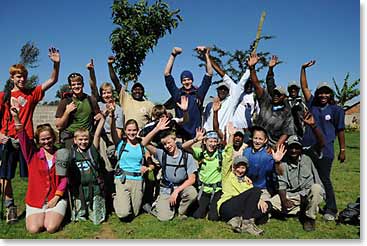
x,y
106,232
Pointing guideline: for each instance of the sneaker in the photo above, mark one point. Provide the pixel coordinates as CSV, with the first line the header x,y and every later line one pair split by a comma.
x,y
329,217
250,227
235,224
182,217
309,224
147,208
11,215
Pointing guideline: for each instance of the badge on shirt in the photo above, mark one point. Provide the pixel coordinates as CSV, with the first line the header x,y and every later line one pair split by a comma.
x,y
327,117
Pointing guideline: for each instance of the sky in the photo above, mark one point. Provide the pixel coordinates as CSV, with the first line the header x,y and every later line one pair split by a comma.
x,y
321,30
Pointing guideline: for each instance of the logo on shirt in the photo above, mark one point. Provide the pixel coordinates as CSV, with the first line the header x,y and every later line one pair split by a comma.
x,y
18,102
327,117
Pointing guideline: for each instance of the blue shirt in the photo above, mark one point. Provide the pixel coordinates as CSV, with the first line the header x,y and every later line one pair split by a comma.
x,y
330,120
195,97
130,160
261,165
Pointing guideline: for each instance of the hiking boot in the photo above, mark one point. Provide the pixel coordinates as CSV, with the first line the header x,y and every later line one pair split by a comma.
x,y
309,224
235,224
250,227
182,217
329,217
147,208
11,215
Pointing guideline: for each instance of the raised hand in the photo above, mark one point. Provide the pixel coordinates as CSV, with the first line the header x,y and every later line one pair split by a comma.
x,y
54,54
90,66
111,59
163,124
200,132
201,49
252,60
273,61
308,64
184,103
279,154
176,51
231,130
216,104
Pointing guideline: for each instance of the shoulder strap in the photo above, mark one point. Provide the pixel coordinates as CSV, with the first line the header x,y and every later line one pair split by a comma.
x,y
220,157
123,146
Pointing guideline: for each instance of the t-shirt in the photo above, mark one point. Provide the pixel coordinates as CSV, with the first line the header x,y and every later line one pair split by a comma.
x,y
140,111
82,117
130,160
173,174
209,171
330,120
26,101
119,117
277,122
261,166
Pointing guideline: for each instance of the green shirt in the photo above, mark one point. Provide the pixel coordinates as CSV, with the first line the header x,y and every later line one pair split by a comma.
x,y
231,186
209,171
82,114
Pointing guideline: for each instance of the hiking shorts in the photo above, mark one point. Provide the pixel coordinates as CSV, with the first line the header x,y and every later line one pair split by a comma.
x,y
60,208
7,170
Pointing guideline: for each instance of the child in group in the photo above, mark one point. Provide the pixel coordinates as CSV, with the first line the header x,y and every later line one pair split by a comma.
x,y
129,170
178,175
16,94
262,169
45,201
240,205
86,174
210,158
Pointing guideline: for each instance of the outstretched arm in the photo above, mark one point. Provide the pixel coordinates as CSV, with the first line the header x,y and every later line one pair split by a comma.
x,y
216,106
97,133
270,81
115,80
54,55
251,62
304,85
209,68
168,69
92,79
216,67
198,138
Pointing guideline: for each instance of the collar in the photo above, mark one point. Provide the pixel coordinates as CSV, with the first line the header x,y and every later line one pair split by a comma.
x,y
276,108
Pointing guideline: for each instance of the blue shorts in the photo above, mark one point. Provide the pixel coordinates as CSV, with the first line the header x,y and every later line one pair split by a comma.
x,y
14,156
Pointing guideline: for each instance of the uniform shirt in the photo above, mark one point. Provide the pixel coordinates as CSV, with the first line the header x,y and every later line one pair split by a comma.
x,y
330,120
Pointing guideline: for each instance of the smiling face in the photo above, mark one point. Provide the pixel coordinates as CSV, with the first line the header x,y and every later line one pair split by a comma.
x,y
19,80
293,91
81,139
324,95
137,93
294,151
46,140
277,98
187,83
259,139
131,131
107,94
169,144
211,144
76,86
239,170
238,140
222,92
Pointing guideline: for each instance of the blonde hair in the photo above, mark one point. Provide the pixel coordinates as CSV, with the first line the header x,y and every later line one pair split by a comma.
x,y
81,132
18,69
104,86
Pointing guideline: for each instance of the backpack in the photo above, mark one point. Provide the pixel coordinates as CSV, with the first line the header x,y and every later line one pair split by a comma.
x,y
351,214
119,171
164,165
219,155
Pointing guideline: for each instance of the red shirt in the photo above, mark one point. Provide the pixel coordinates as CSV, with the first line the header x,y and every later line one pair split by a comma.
x,y
43,182
26,101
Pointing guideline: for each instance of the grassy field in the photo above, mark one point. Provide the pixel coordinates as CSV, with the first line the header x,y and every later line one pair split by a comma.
x,y
346,180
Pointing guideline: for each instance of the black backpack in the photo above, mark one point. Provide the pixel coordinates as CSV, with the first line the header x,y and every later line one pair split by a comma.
x,y
351,214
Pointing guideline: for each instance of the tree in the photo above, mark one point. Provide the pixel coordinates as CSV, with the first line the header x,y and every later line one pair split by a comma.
x,y
139,27
65,88
347,92
28,57
234,62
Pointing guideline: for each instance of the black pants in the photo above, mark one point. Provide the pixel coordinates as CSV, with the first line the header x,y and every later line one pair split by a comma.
x,y
207,207
244,205
323,167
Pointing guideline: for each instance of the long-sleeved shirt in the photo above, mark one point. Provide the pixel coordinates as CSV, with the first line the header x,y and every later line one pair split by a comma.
x,y
43,183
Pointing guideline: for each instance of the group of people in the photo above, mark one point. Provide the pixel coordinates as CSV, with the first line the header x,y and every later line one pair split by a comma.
x,y
250,154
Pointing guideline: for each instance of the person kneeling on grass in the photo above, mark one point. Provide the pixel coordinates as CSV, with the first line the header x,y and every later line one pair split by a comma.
x,y
45,202
178,175
240,204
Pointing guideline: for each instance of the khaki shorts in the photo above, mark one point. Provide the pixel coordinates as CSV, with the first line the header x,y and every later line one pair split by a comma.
x,y
60,208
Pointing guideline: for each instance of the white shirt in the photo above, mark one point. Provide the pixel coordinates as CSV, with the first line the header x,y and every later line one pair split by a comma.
x,y
239,118
228,105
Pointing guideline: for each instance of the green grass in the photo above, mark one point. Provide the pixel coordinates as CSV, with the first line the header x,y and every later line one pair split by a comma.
x,y
346,181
